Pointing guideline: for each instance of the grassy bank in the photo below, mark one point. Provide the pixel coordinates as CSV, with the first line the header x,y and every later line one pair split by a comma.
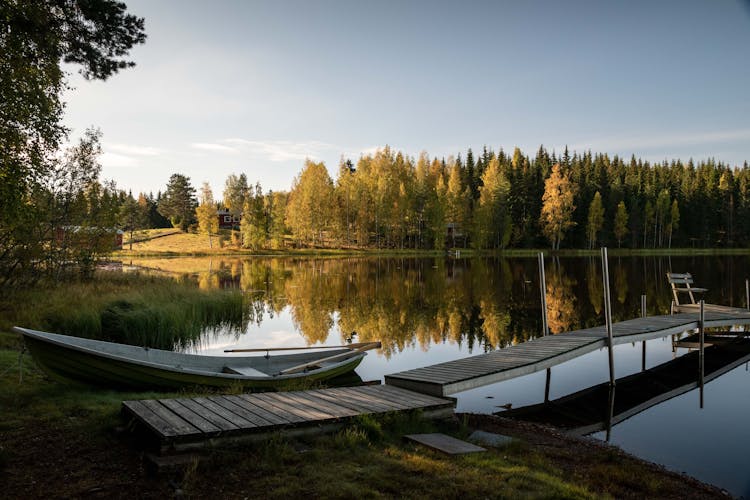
x,y
163,243
63,441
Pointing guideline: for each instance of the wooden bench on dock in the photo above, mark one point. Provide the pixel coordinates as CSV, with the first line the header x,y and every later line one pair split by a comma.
x,y
683,283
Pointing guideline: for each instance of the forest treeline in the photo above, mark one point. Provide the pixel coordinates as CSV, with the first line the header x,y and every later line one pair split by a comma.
x,y
490,201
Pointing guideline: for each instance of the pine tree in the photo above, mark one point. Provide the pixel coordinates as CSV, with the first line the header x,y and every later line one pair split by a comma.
x,y
178,202
236,190
133,215
674,220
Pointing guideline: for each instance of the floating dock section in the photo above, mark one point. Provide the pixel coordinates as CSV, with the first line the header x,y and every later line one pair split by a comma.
x,y
544,352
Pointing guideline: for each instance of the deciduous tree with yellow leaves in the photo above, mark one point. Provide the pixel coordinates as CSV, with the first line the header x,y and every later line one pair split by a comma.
x,y
557,205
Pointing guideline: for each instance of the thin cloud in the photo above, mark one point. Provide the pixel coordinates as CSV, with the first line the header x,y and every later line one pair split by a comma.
x,y
132,149
367,151
108,159
280,151
208,146
664,141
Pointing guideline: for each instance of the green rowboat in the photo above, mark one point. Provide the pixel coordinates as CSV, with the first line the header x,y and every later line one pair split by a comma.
x,y
131,367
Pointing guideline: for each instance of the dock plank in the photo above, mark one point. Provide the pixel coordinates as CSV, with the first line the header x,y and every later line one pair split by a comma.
x,y
273,404
148,417
336,410
311,411
339,397
217,419
374,404
189,415
178,425
244,401
247,415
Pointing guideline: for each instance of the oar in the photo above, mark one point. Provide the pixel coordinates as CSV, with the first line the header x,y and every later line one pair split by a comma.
x,y
366,346
266,349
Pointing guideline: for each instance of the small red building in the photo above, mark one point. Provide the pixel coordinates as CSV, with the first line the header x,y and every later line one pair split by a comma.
x,y
227,220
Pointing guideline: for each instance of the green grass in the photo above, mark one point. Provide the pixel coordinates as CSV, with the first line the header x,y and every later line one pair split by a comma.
x,y
197,245
58,440
134,309
369,459
365,460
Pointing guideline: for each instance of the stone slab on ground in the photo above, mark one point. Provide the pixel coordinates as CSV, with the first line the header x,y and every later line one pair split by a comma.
x,y
446,444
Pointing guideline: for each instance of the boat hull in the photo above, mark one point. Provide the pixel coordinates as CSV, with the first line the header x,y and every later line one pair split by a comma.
x,y
70,364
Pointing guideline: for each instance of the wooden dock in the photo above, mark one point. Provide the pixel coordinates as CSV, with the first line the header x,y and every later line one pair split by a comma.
x,y
184,423
544,352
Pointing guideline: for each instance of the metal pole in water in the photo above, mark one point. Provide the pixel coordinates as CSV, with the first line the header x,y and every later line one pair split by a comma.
x,y
543,291
747,293
610,412
608,315
643,315
545,328
701,334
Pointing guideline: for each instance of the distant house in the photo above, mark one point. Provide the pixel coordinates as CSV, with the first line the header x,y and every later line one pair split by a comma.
x,y
227,220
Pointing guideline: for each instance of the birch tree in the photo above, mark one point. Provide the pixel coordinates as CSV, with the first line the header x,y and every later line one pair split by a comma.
x,y
208,222
621,223
595,220
557,206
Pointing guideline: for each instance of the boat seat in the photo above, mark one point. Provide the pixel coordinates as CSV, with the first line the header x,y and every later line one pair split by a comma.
x,y
244,370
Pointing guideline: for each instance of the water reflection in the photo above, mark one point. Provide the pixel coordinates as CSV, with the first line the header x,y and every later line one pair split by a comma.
x,y
476,304
600,407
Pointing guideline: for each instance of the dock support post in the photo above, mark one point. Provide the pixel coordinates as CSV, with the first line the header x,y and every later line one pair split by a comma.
x,y
643,315
747,293
701,334
543,291
608,315
547,384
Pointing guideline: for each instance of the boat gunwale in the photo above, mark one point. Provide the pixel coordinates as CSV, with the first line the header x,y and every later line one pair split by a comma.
x,y
43,337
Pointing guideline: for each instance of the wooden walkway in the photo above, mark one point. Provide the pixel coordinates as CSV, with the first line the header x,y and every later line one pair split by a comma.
x,y
544,352
185,423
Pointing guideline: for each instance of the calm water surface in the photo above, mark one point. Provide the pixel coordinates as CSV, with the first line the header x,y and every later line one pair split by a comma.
x,y
426,311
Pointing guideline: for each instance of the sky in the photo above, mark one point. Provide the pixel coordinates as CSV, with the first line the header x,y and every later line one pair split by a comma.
x,y
256,87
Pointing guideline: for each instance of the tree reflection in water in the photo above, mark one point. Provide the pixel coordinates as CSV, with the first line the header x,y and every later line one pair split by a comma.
x,y
478,303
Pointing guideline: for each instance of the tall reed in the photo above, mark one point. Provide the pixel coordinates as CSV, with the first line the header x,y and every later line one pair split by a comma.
x,y
140,310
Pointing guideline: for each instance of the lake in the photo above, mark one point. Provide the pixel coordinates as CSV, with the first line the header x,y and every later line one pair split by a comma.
x,y
429,310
